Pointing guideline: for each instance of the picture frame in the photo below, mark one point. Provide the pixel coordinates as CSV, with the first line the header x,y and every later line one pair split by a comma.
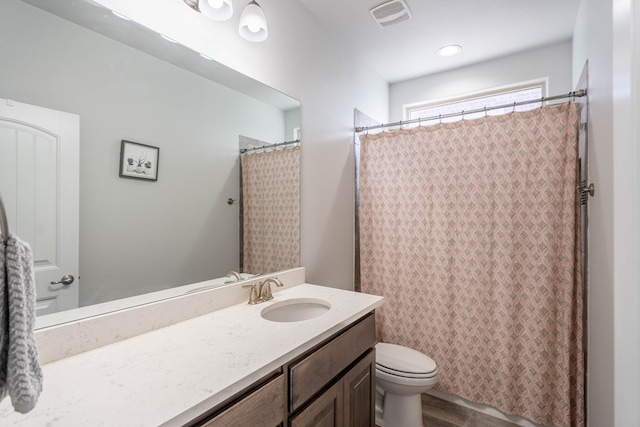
x,y
139,161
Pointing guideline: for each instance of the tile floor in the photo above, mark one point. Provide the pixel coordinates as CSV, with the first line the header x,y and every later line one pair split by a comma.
x,y
441,413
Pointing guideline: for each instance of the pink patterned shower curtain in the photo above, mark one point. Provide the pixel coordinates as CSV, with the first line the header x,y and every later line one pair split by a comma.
x,y
470,231
271,210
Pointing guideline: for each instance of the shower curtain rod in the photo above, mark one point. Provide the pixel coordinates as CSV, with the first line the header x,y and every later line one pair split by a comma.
x,y
279,144
574,94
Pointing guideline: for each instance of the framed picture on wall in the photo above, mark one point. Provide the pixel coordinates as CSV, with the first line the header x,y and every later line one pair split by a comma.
x,y
139,161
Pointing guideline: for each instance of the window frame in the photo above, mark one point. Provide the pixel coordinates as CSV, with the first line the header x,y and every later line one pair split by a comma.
x,y
541,83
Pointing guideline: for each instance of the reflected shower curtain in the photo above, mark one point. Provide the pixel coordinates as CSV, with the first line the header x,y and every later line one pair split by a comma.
x,y
470,232
271,210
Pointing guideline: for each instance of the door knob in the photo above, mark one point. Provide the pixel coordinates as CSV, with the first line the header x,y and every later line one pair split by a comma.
x,y
66,280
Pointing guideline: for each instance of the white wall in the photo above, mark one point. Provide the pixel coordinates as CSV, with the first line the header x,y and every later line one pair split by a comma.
x,y
291,121
138,236
626,197
552,62
595,41
304,60
605,36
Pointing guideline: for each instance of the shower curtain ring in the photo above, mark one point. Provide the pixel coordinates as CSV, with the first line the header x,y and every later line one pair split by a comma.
x,y
514,107
462,115
440,118
485,111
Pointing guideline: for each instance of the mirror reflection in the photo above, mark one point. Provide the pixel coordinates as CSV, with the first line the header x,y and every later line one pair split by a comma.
x,y
139,236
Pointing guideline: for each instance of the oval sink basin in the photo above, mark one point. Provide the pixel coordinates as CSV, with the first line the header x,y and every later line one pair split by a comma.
x,y
295,310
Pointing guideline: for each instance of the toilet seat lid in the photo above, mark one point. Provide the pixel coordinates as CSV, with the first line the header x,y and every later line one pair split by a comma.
x,y
404,361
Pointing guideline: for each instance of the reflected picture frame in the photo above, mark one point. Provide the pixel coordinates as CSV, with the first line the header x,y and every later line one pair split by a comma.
x,y
139,161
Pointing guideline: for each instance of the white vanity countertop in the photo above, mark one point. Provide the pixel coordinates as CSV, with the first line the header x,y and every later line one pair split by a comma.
x,y
170,376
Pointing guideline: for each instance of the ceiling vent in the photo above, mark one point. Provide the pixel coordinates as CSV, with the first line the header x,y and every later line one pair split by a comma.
x,y
391,12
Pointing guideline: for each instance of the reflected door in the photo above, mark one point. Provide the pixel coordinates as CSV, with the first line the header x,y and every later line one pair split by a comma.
x,y
39,183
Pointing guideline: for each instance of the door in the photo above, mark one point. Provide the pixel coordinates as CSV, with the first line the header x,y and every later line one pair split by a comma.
x,y
360,393
325,411
39,183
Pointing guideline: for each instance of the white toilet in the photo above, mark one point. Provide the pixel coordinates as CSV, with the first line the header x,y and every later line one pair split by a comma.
x,y
401,375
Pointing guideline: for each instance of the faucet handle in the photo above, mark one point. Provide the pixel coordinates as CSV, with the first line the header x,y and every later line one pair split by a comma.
x,y
253,296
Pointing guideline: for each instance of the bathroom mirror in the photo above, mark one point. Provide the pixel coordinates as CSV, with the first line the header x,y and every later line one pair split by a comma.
x,y
128,83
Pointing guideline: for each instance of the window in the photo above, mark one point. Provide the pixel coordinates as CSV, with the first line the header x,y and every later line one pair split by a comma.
x,y
501,96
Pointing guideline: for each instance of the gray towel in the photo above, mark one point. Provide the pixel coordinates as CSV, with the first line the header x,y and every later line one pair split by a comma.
x,y
20,373
4,324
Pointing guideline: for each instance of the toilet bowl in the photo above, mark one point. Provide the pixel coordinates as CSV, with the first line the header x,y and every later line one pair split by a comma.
x,y
402,374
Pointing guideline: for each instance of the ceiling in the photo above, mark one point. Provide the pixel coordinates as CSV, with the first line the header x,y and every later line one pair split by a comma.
x,y
485,29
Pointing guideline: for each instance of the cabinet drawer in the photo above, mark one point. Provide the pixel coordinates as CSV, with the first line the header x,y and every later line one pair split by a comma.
x,y
311,374
264,407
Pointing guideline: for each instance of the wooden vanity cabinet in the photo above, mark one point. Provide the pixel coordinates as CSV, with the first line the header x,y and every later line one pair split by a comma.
x,y
326,410
359,388
333,384
262,405
349,402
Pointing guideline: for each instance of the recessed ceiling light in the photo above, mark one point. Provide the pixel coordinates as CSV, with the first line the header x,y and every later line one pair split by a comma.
x,y
449,50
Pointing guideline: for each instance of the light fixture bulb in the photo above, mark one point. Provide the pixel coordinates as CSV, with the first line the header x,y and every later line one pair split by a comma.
x,y
218,10
449,50
253,24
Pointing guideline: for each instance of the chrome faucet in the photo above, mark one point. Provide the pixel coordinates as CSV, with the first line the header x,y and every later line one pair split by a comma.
x,y
263,292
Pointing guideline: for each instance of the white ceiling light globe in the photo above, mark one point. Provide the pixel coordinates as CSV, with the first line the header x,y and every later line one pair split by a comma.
x,y
253,24
218,10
